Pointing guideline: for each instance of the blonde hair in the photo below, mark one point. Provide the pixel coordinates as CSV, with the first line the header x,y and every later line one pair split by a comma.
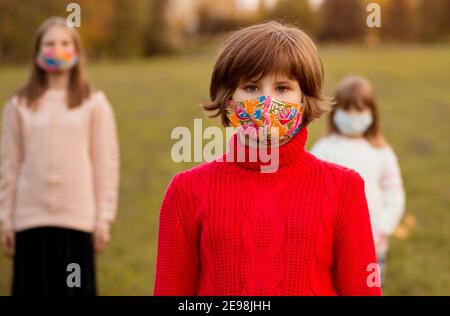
x,y
78,90
268,48
357,92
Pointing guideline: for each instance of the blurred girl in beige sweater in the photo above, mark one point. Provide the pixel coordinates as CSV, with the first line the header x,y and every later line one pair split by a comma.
x,y
59,170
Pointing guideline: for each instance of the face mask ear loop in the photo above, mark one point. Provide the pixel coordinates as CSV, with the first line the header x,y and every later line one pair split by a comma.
x,y
302,101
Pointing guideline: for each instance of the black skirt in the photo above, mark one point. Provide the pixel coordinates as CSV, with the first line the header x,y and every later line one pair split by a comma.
x,y
54,261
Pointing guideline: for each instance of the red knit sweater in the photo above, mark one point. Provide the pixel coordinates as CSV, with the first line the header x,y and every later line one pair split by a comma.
x,y
228,229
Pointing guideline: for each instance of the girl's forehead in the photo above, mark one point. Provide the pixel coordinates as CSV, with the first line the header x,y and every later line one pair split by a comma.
x,y
359,106
270,77
57,32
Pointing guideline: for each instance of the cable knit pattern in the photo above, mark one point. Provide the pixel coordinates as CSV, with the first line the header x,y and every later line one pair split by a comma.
x,y
59,166
228,229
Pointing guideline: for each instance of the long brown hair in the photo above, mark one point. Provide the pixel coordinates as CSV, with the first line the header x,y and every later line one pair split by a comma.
x,y
268,48
78,87
357,92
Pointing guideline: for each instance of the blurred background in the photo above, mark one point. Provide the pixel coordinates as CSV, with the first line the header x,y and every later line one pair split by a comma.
x,y
140,52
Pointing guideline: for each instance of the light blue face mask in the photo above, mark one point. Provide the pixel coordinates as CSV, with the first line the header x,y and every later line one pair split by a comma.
x,y
352,124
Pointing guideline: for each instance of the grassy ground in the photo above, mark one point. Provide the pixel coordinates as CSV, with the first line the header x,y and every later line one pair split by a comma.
x,y
152,97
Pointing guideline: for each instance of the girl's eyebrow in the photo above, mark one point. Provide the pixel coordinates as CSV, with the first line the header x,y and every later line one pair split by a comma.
x,y
286,81
249,81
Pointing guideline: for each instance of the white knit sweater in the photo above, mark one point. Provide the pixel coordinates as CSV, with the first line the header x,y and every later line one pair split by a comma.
x,y
380,171
59,166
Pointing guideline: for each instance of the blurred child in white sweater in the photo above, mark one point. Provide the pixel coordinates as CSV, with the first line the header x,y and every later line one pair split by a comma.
x,y
354,140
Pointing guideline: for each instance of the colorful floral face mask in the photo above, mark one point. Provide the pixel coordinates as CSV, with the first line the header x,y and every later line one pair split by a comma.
x,y
53,60
255,117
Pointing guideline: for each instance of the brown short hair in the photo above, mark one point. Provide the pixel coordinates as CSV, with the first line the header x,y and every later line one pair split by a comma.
x,y
262,49
357,92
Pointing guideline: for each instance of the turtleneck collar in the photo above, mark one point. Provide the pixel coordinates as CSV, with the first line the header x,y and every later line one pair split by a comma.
x,y
290,154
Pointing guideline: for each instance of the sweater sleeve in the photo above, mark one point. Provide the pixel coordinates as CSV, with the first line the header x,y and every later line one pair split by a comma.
x,y
393,194
177,264
105,161
354,252
11,158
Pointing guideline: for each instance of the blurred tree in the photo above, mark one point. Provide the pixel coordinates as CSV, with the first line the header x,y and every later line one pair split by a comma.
x,y
399,20
113,28
122,28
182,22
155,34
215,17
262,9
97,29
297,12
18,23
434,19
342,20
128,31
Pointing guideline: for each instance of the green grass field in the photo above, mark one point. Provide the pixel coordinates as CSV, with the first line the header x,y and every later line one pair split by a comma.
x,y
151,97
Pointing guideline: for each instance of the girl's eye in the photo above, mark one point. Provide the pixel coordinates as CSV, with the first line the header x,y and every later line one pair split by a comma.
x,y
251,88
282,89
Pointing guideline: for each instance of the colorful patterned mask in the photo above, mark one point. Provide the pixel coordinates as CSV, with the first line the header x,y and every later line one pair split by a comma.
x,y
52,60
255,116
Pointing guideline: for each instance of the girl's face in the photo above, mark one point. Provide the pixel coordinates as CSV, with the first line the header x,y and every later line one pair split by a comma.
x,y
280,87
354,110
58,38
365,92
353,122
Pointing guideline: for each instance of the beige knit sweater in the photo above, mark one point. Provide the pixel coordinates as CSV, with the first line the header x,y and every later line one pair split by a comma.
x,y
59,166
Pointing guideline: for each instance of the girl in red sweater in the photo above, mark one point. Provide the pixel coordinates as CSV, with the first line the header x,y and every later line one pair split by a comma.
x,y
292,225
